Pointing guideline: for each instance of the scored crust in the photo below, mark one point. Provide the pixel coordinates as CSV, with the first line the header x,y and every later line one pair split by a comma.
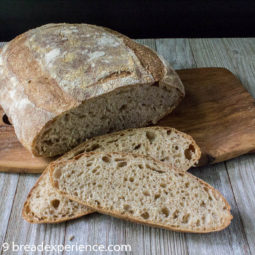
x,y
135,219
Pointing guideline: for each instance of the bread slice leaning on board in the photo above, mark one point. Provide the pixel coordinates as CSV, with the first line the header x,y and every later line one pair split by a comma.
x,y
141,189
45,205
87,78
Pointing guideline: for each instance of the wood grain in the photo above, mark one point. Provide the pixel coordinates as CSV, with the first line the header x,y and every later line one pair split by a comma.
x,y
217,112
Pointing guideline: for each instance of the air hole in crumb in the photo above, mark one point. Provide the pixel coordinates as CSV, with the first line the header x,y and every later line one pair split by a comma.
x,y
126,207
187,184
97,203
169,132
145,215
140,166
176,147
206,189
137,147
57,173
188,152
198,223
146,193
156,196
150,136
165,211
94,170
176,214
162,185
106,159
185,218
202,204
55,203
181,174
123,107
121,164
67,117
99,186
165,158
131,179
93,147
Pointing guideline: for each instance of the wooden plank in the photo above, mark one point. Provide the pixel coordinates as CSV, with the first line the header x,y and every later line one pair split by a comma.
x,y
242,177
177,52
8,186
231,240
241,51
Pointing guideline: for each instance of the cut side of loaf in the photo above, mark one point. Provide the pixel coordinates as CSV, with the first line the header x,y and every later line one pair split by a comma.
x,y
45,205
132,107
142,189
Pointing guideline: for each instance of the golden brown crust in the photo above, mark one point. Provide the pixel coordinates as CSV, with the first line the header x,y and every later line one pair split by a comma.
x,y
38,86
135,219
148,57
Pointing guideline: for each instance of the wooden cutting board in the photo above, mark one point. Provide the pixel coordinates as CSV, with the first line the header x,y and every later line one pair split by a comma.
x,y
217,111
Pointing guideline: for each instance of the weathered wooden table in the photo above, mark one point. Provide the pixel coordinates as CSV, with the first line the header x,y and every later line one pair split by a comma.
x,y
235,179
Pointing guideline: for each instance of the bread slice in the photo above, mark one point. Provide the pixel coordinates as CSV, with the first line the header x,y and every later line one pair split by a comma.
x,y
142,189
45,205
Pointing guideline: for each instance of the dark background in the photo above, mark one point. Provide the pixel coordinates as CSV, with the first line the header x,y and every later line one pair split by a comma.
x,y
137,19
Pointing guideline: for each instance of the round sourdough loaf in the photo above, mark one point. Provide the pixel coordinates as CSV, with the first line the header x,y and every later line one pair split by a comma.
x,y
63,83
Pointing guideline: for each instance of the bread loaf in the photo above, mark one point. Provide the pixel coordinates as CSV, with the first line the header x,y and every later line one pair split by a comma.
x,y
44,204
141,189
63,83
